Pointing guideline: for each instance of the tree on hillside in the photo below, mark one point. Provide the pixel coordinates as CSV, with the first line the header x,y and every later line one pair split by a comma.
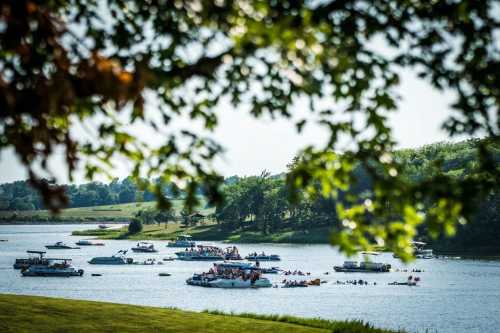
x,y
127,195
91,63
135,226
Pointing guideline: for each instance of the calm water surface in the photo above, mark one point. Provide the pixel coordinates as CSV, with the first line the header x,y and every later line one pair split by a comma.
x,y
454,296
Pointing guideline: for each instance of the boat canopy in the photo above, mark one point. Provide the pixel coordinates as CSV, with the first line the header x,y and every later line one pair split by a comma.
x,y
209,247
36,252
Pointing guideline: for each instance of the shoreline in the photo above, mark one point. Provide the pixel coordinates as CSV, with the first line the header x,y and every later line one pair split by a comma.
x,y
234,238
13,223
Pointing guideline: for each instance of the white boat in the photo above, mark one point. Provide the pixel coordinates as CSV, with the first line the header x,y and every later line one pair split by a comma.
x,y
240,283
117,259
363,267
419,251
85,242
144,247
56,267
182,241
60,246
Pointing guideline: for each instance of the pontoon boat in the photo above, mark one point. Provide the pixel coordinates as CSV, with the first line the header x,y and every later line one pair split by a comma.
x,y
182,241
55,267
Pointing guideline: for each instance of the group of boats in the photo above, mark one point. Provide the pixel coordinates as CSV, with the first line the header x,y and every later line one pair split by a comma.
x,y
37,264
228,270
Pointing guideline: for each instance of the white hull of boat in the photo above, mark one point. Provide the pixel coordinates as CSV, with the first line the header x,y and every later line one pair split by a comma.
x,y
239,283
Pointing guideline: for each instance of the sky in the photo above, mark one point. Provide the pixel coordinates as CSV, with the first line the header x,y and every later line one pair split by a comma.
x,y
253,145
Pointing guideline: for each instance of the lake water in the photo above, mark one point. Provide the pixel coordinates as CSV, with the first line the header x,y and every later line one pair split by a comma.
x,y
454,295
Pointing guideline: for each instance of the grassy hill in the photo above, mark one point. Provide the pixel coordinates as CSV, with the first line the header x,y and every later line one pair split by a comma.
x,y
118,212
41,314
212,232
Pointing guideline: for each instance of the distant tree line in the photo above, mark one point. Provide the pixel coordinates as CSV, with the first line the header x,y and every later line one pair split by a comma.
x,y
20,195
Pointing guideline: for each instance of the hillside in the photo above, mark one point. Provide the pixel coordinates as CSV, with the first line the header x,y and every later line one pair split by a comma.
x,y
117,212
41,314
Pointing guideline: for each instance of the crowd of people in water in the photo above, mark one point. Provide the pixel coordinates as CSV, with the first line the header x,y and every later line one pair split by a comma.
x,y
255,254
406,270
359,282
296,272
303,283
292,284
411,281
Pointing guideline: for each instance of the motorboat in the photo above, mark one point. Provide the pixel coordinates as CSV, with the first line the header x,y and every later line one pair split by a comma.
x,y
371,253
103,226
144,247
85,242
262,257
38,259
419,251
117,259
55,267
182,241
60,246
363,267
201,280
201,253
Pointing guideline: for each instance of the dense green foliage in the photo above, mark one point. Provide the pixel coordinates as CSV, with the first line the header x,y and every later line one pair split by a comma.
x,y
43,315
135,226
259,203
21,195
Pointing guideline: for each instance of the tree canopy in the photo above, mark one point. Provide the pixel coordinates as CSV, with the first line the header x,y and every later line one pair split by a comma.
x,y
65,63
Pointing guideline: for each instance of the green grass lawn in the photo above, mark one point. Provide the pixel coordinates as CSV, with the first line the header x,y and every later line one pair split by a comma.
x,y
211,232
41,314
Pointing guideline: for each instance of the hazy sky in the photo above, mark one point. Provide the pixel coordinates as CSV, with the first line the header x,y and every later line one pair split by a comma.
x,y
253,145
